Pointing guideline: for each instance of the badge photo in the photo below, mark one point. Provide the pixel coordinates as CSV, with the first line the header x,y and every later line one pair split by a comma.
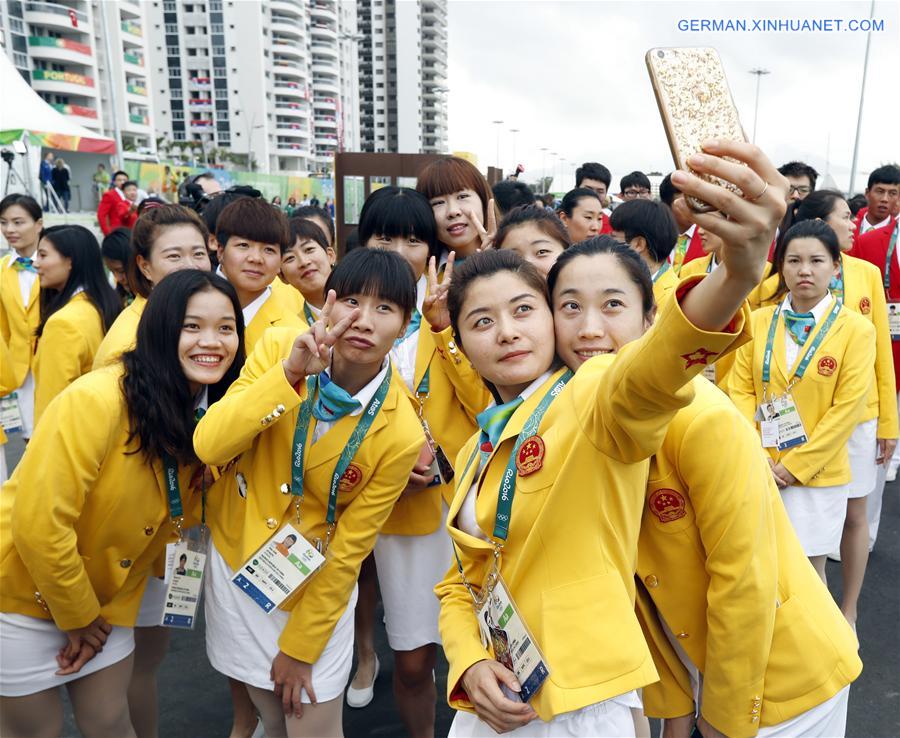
x,y
827,366
531,456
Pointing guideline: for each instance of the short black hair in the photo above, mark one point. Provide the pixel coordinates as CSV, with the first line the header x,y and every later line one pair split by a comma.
x,y
116,246
509,194
116,174
314,211
129,183
652,220
635,179
857,203
799,169
573,197
385,274
255,220
214,207
887,174
398,212
668,191
592,170
26,202
306,230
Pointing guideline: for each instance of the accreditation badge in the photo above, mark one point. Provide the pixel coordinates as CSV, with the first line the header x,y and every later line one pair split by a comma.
x,y
10,416
709,372
502,626
893,309
278,569
790,426
185,565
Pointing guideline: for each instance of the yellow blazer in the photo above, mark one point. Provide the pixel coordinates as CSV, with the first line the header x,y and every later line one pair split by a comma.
x,y
240,428
90,519
831,397
66,350
569,558
7,378
663,286
122,333
864,294
456,395
289,296
273,312
18,322
710,568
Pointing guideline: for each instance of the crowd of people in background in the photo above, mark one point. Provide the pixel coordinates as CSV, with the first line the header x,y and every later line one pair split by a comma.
x,y
597,448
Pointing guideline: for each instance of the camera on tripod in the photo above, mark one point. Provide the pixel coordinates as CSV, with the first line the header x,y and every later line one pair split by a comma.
x,y
8,156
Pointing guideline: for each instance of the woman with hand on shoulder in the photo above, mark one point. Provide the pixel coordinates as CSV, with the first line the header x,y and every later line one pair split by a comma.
x,y
534,233
77,309
76,556
165,239
559,453
413,549
805,379
462,203
712,568
322,438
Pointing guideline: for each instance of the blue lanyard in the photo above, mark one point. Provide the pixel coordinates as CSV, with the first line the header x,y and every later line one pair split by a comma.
x,y
301,431
810,350
308,314
662,270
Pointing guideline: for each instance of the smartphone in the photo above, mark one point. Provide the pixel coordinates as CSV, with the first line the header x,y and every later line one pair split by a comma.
x,y
695,104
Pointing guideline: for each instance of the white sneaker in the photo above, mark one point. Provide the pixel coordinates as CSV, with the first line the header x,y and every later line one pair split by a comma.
x,y
362,697
891,474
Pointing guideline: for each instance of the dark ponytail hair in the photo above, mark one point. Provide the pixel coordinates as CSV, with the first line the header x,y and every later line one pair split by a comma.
x,y
817,204
815,228
637,270
157,394
80,246
573,197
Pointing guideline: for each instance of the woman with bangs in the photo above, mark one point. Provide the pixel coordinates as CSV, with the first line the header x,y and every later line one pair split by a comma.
x,y
413,549
306,265
558,456
463,206
534,233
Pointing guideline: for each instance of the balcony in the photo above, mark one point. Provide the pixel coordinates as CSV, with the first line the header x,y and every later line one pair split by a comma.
x,y
54,15
65,83
76,110
134,59
136,88
287,72
200,83
326,140
291,110
325,121
290,89
60,49
139,119
202,125
287,26
294,135
132,28
325,103
287,49
197,63
202,104
323,84
323,11
318,30
285,7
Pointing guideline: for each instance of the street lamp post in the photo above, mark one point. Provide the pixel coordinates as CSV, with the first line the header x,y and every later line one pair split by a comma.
x,y
497,123
862,92
759,73
544,151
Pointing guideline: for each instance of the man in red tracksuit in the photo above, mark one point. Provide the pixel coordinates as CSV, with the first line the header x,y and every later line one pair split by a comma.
x,y
110,203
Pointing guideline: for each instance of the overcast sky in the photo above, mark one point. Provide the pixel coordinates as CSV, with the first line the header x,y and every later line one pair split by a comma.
x,y
571,77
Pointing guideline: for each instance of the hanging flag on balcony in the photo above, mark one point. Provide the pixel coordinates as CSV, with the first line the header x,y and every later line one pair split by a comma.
x,y
73,16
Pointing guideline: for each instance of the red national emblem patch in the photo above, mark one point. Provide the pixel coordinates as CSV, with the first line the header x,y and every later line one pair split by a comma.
x,y
531,456
827,366
865,305
350,478
667,505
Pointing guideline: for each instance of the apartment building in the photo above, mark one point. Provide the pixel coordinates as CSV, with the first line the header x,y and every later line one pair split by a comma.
x,y
60,48
273,82
403,75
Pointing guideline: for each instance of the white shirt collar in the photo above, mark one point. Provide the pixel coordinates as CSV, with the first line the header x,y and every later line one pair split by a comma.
x,y
365,395
421,288
818,309
531,388
689,233
201,401
867,226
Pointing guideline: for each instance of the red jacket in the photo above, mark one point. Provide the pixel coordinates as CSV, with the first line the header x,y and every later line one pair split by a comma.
x,y
114,211
695,247
872,246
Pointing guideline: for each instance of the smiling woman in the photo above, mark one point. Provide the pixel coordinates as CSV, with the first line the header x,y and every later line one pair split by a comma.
x,y
72,596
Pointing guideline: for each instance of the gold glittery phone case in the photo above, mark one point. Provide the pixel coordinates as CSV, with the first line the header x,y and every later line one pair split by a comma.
x,y
695,104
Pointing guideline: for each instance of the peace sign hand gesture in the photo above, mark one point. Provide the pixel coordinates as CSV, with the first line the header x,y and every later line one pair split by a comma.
x,y
434,307
311,352
486,236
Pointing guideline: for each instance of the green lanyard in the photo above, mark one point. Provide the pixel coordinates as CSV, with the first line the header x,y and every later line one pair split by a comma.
x,y
308,314
890,255
810,350
662,270
301,432
508,483
173,491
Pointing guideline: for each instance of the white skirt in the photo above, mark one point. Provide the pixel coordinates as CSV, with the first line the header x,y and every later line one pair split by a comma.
x,y
611,718
817,514
409,568
242,640
28,648
828,720
152,604
25,397
861,449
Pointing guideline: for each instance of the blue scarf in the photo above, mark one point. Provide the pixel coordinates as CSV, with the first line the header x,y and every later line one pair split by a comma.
x,y
799,325
332,401
493,420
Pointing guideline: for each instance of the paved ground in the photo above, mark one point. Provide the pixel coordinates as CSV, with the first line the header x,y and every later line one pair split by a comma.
x,y
195,702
